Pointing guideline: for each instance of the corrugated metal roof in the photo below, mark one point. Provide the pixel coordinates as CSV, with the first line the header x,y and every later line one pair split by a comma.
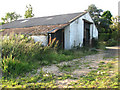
x,y
40,25
49,20
35,30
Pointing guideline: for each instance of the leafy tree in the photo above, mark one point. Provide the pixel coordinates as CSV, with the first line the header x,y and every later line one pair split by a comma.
x,y
102,21
10,16
115,24
106,21
115,27
95,13
29,12
107,15
1,23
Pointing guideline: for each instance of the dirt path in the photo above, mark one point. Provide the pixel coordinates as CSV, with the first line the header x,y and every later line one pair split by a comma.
x,y
82,66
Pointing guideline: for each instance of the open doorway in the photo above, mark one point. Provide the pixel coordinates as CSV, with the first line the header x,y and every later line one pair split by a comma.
x,y
86,40
59,36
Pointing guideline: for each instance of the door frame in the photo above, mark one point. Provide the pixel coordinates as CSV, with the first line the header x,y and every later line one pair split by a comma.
x,y
86,22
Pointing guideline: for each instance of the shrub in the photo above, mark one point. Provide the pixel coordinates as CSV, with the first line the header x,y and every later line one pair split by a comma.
x,y
104,36
21,54
111,42
115,35
95,43
14,67
20,47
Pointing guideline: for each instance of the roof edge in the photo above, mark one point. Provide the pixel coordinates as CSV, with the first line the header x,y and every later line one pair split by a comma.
x,y
77,17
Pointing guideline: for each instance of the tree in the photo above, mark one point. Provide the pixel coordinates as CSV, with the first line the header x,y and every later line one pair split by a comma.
x,y
107,15
95,13
29,12
106,21
9,17
115,24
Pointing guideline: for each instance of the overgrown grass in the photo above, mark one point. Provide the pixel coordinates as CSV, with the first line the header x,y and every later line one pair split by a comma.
x,y
106,76
21,54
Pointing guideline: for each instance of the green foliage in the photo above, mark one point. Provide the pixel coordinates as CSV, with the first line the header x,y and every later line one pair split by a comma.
x,y
106,76
108,26
107,15
95,13
1,23
111,42
115,24
29,12
66,67
14,67
20,48
104,36
105,22
95,43
115,28
10,16
100,78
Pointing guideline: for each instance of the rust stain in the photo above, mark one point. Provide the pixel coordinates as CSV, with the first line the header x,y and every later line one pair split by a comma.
x,y
35,30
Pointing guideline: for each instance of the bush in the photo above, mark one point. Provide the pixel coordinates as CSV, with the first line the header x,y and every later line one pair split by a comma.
x,y
115,35
18,52
104,36
20,47
14,67
95,43
111,42
21,54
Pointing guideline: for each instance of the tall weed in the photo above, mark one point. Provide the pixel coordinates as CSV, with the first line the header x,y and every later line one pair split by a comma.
x,y
14,67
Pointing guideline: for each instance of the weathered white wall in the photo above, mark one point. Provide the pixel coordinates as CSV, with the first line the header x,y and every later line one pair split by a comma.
x,y
42,38
74,33
95,32
67,37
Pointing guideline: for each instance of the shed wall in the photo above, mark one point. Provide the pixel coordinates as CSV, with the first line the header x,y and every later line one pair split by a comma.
x,y
67,38
74,33
42,38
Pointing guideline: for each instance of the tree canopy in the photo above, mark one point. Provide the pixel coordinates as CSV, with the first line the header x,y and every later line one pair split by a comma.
x,y
29,12
95,13
106,21
10,16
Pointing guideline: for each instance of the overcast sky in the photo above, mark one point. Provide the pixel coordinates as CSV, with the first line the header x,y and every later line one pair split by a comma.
x,y
54,7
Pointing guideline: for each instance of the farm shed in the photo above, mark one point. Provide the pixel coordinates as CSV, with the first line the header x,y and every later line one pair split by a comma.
x,y
71,30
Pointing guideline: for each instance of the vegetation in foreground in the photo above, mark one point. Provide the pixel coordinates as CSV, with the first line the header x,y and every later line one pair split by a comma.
x,y
21,54
106,76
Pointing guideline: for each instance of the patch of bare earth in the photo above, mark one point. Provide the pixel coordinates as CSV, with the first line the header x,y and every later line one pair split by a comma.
x,y
82,66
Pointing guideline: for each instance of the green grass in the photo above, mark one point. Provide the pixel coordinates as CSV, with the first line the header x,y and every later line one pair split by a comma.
x,y
106,76
101,78
21,54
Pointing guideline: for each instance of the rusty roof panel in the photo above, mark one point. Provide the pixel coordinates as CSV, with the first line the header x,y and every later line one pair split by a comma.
x,y
36,30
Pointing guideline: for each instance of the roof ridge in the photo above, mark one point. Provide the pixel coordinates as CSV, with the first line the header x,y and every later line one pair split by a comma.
x,y
50,16
46,20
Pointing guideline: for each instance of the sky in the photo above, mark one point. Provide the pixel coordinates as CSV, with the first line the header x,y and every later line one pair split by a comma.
x,y
55,7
